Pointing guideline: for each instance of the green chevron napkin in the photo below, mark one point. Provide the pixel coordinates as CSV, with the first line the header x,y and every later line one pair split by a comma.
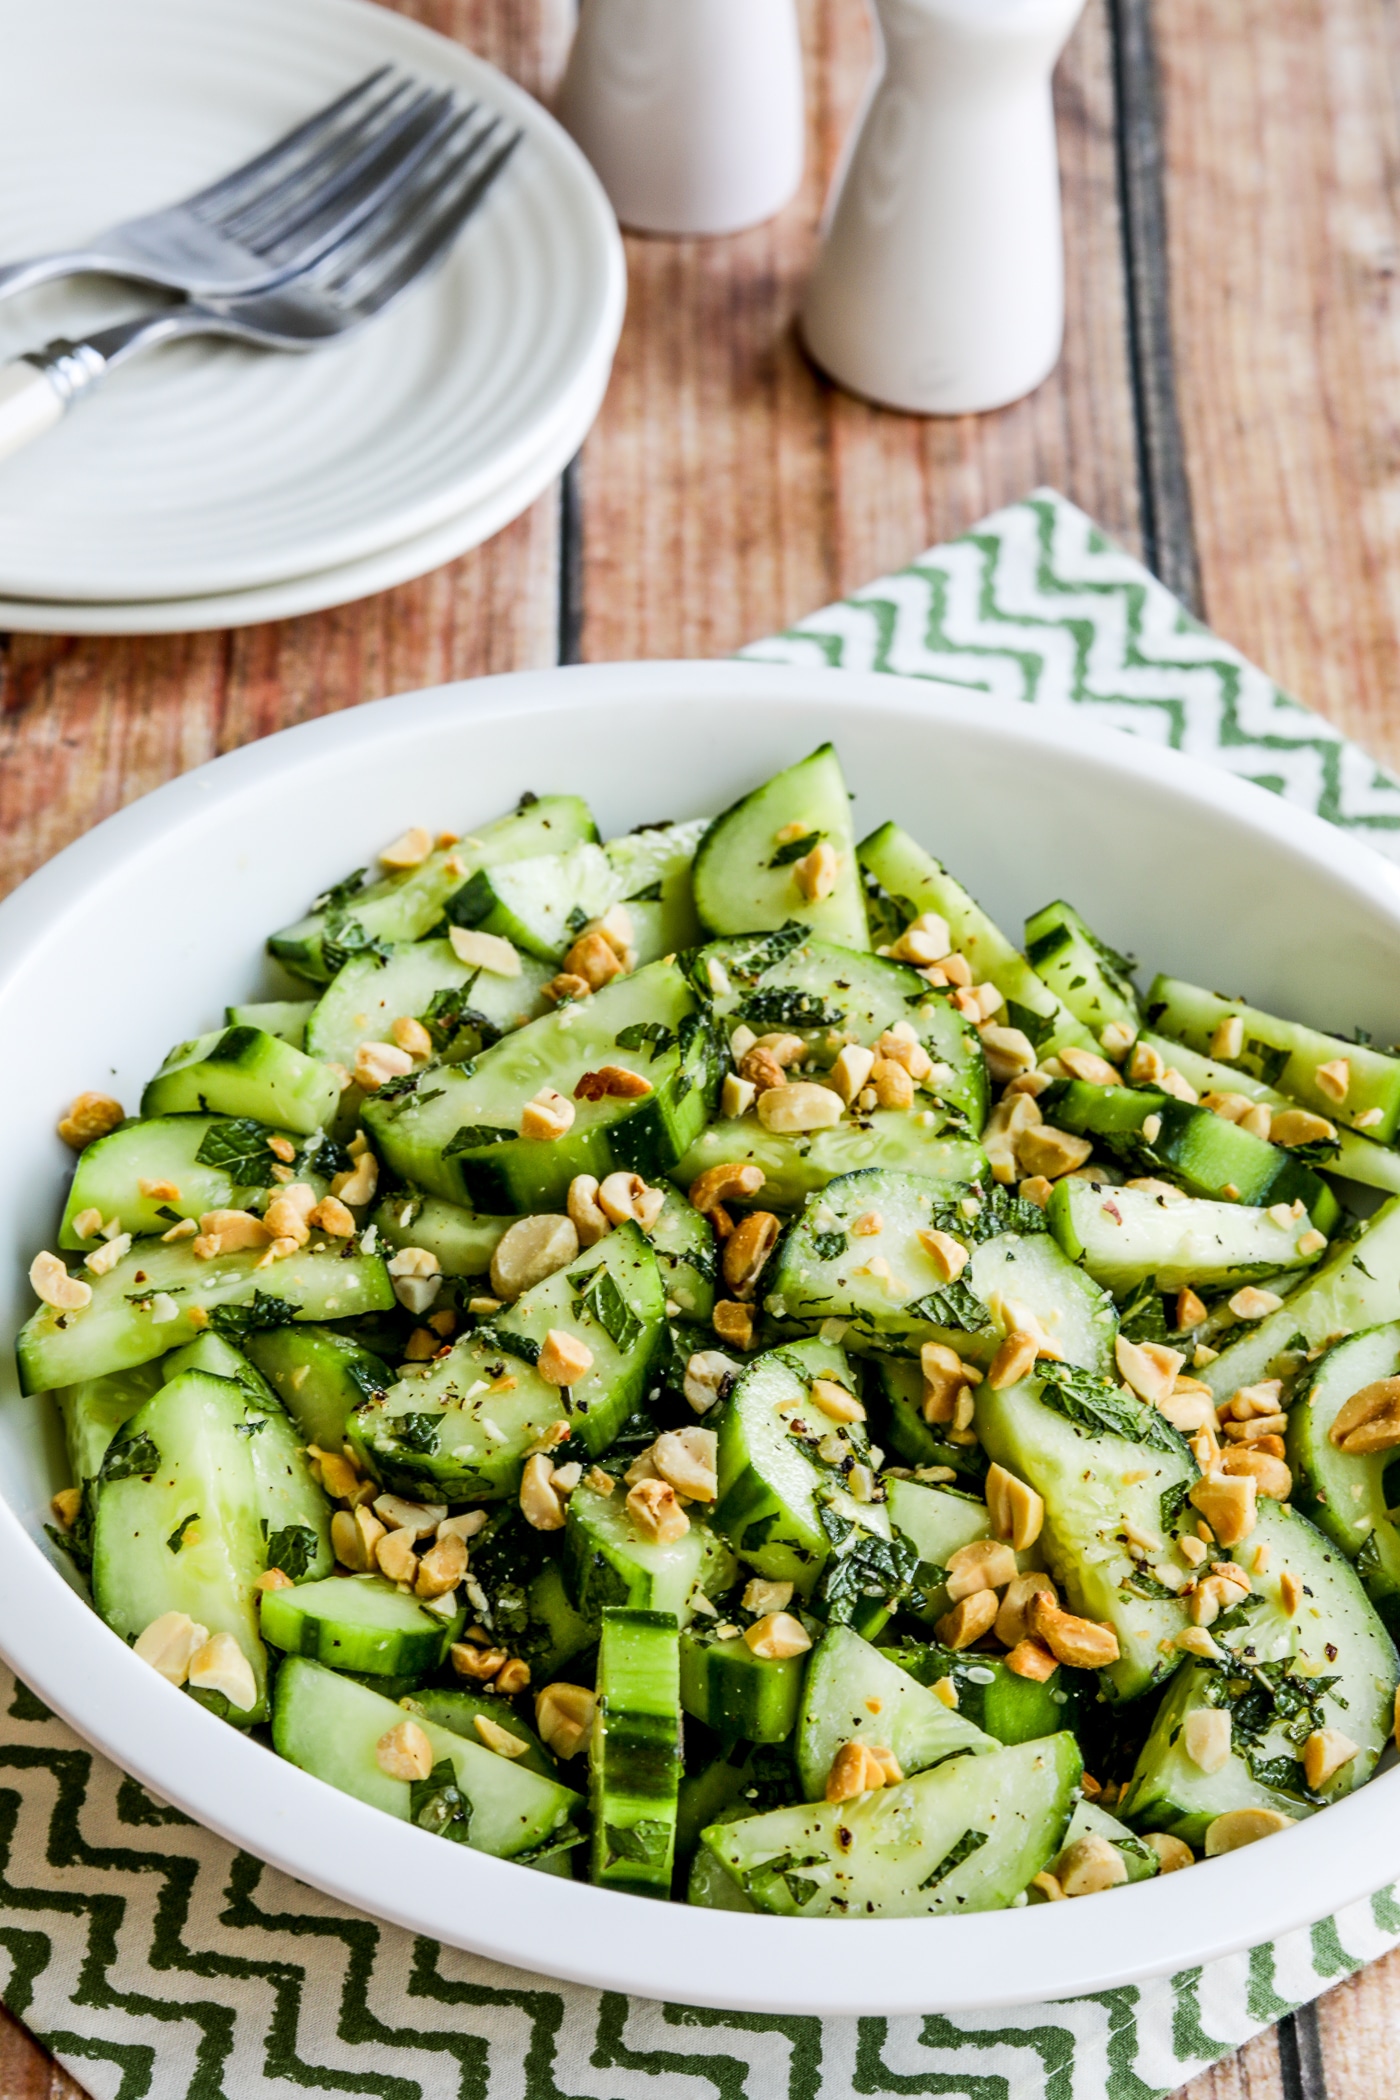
x,y
155,1960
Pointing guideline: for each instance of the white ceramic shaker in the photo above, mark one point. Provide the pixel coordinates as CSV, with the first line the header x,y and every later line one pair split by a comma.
x,y
940,284
691,111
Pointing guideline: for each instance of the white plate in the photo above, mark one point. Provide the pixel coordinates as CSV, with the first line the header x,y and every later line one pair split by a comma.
x,y
162,910
305,594
210,468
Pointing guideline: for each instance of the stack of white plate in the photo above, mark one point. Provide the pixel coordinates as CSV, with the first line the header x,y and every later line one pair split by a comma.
x,y
213,486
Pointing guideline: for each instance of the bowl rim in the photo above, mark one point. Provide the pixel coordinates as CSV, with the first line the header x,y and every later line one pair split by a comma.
x,y
534,1922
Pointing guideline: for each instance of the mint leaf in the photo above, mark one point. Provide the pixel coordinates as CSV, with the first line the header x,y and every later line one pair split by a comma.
x,y
1103,1409
177,1537
238,1146
438,1804
971,1841
795,849
597,1296
643,1033
233,1322
129,1457
293,1550
957,1307
473,1136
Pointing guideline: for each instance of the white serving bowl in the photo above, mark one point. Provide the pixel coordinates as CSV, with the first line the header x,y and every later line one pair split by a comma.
x,y
140,933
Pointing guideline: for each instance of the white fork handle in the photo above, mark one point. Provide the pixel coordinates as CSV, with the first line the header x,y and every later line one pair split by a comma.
x,y
30,404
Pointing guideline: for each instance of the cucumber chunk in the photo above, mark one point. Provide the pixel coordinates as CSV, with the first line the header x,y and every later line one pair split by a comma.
x,y
744,879
792,983
607,1561
1112,1472
711,1888
284,1017
554,1633
319,1376
913,882
94,1410
1330,1665
1284,1054
209,1162
1356,1286
1345,1495
463,1242
245,1072
885,1280
969,1835
938,1521
184,1533
540,905
456,1133
461,1432
461,1710
752,1698
349,919
1089,1820
359,1622
1354,1155
653,870
293,1511
1123,1236
1012,1709
772,1494
795,1168
634,1756
684,1245
1094,981
330,1726
462,1007
853,1693
158,1298
1198,1150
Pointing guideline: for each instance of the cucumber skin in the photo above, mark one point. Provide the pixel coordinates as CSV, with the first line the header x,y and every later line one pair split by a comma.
x,y
795,1170
463,1242
109,1172
319,1377
301,1621
245,1072
1076,1210
458,1710
737,1693
733,850
634,1756
1324,1476
606,1562
1013,1709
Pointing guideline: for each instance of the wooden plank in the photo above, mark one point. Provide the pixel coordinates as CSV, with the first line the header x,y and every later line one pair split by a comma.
x,y
1283,134
28,2072
729,489
88,725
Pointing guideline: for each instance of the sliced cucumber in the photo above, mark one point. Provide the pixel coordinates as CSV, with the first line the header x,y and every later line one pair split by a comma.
x,y
284,1017
539,905
461,1431
609,1561
319,1376
1123,1236
1012,1709
359,1622
553,1633
796,1167
634,1756
463,1242
183,1533
772,1493
969,1835
1329,1665
684,1245
96,1409
903,1431
1113,1473
831,996
712,1889
245,1072
208,1162
744,875
1284,1054
331,1726
1345,1495
1089,1820
653,867
1198,1150
939,1520
348,920
1356,1156
157,1298
457,1133
743,1696
886,1281
293,1512
853,1693
462,1007
1357,1286
460,1711
914,883
1095,982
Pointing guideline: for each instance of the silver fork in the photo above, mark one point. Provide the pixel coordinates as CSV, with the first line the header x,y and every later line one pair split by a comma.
x,y
280,211
363,275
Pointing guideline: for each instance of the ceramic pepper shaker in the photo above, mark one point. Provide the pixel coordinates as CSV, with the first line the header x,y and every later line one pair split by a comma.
x,y
940,284
691,111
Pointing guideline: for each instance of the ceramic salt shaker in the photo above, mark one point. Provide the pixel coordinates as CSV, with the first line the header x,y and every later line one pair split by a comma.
x,y
940,284
691,111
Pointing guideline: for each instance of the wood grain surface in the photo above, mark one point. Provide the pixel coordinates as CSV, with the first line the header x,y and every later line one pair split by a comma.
x,y
1228,404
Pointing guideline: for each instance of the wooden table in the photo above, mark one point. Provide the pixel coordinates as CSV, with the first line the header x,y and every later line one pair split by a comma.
x,y
1228,404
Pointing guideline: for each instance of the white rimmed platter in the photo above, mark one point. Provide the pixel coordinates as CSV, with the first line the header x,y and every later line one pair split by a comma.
x,y
210,469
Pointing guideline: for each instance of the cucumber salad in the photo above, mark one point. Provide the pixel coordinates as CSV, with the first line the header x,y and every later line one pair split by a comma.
x,y
696,1363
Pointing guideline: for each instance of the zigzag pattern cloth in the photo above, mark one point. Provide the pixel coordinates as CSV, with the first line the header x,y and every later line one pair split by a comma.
x,y
1037,604
158,1963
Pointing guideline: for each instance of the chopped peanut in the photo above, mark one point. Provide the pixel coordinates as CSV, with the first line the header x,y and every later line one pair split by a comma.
x,y
777,1636
404,1752
1243,1826
547,1115
530,1250
857,1768
612,1082
1016,1510
540,1504
1325,1753
412,1037
1082,1644
658,1516
799,1106
1031,1658
409,850
54,1286
747,1250
1090,1865
985,1564
969,1619
564,1717
90,1116
485,951
733,1323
